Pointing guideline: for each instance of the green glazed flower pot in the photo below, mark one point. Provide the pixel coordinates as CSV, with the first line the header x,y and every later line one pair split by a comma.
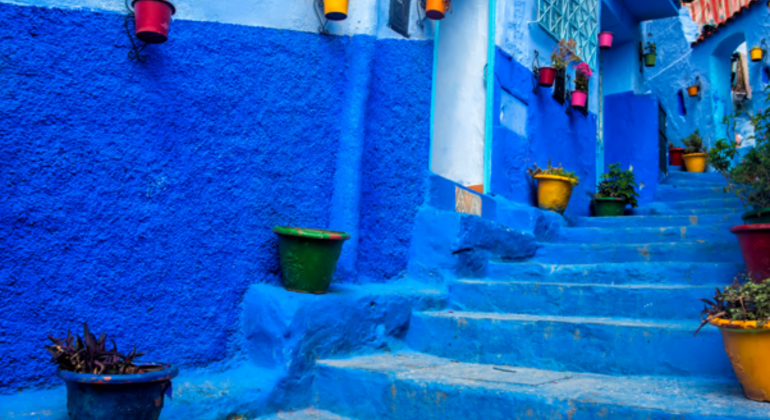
x,y
649,59
609,206
309,257
756,217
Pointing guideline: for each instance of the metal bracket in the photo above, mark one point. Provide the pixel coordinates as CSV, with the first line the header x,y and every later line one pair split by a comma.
x,y
136,49
641,57
535,72
568,95
421,5
318,6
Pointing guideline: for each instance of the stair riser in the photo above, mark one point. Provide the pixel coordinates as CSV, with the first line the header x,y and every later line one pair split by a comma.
x,y
644,235
667,211
668,193
690,177
600,348
715,220
660,252
578,300
676,273
707,204
378,396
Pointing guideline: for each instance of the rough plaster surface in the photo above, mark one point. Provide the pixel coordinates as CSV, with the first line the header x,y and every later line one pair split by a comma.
x,y
140,197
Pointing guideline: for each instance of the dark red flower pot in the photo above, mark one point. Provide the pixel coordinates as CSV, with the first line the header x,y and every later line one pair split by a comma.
x,y
547,76
755,246
675,157
153,19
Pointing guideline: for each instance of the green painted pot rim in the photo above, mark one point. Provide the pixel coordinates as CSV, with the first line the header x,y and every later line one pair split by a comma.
x,y
312,233
756,213
609,199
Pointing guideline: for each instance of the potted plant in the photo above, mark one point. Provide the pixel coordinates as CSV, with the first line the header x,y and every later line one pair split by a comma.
x,y
694,154
309,257
675,155
579,96
153,19
605,39
336,10
651,56
554,186
436,9
693,90
749,179
616,190
107,384
561,56
757,53
741,313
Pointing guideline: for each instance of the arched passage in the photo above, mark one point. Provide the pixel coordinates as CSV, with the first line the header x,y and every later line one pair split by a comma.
x,y
722,67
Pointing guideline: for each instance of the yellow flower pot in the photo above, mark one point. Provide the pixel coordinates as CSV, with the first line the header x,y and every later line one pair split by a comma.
x,y
695,162
554,192
756,54
748,347
435,9
336,9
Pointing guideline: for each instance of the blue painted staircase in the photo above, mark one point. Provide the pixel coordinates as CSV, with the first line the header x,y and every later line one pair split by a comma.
x,y
598,325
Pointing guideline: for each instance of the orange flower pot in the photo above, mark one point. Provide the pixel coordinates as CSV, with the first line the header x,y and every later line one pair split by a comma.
x,y
747,347
757,54
692,90
434,9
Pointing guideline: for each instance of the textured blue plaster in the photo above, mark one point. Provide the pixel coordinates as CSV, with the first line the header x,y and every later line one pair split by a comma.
x,y
569,139
631,138
140,197
396,154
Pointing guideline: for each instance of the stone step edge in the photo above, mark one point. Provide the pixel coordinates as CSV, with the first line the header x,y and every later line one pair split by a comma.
x,y
645,286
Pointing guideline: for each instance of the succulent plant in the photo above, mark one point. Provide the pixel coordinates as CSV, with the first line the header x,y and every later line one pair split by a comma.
x,y
89,355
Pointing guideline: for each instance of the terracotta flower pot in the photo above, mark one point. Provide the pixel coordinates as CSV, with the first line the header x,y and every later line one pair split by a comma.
x,y
755,247
693,90
747,346
675,156
153,20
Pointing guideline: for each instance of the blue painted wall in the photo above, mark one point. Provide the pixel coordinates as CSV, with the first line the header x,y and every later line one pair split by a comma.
x,y
569,139
140,197
631,138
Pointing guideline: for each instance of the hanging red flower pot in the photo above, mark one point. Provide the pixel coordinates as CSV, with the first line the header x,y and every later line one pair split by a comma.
x,y
546,77
153,18
579,99
605,39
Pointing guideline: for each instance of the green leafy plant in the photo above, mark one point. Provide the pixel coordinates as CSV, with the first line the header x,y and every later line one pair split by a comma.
x,y
89,355
652,47
747,301
618,183
749,179
550,170
564,53
694,143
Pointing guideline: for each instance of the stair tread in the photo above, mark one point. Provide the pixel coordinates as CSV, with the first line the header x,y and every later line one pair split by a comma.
x,y
687,325
579,285
306,414
672,395
658,220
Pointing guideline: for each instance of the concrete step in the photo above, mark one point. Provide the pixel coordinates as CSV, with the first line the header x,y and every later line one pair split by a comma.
x,y
723,220
618,346
580,299
666,193
642,235
700,251
713,203
411,386
306,414
689,273
665,210
685,178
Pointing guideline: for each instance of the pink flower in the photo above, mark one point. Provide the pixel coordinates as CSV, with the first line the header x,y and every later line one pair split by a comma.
x,y
585,69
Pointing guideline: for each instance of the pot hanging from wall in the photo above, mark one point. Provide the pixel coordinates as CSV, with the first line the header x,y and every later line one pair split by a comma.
x,y
546,77
693,90
605,39
579,99
336,10
757,54
650,59
153,20
435,9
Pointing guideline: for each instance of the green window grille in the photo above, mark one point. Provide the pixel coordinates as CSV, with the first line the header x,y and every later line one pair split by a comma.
x,y
572,19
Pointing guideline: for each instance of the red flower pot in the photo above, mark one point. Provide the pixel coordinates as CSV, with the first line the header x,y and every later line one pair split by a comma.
x,y
153,18
579,99
605,39
547,76
755,246
675,156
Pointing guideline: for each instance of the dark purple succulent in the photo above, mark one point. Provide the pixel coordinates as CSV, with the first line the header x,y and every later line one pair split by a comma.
x,y
89,355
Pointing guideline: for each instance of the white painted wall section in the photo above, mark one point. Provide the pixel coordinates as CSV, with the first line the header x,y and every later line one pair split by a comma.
x,y
460,97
